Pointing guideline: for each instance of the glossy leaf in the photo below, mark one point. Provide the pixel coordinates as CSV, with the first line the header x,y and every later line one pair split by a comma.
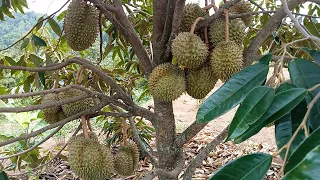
x,y
287,125
251,109
283,103
308,168
55,26
38,41
314,54
248,167
234,90
35,59
39,23
3,176
25,43
42,78
10,61
306,74
306,146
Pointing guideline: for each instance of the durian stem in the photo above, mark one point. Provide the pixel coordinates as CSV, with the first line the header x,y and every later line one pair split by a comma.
x,y
84,126
79,76
124,132
56,79
226,15
193,27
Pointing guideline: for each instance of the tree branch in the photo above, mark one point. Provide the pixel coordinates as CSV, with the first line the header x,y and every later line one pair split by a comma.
x,y
256,4
262,35
33,147
189,133
197,161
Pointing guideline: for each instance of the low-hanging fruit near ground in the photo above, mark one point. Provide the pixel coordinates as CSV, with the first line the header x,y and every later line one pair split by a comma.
x,y
127,159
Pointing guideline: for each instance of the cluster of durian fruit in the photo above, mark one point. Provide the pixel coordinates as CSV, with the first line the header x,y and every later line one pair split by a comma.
x,y
91,160
203,63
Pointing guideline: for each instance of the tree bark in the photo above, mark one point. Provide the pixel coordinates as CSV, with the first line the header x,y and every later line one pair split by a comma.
x,y
168,154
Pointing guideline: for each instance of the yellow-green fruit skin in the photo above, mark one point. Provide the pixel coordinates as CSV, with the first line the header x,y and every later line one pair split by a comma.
x,y
75,107
123,163
133,150
81,25
236,31
167,86
53,114
200,82
191,12
226,60
243,7
189,50
88,159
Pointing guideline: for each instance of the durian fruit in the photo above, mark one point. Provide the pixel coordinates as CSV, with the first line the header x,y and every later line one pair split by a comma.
x,y
75,107
226,60
89,159
127,159
167,82
189,50
81,25
53,114
236,31
191,12
200,82
243,7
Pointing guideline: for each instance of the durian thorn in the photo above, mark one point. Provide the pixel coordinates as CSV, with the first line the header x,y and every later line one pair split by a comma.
x,y
193,27
84,126
79,76
124,132
226,15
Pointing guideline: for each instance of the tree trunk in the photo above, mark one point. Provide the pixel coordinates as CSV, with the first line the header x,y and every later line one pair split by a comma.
x,y
165,136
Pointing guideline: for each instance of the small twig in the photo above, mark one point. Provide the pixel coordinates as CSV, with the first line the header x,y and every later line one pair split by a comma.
x,y
303,123
84,126
59,40
279,151
124,132
256,4
226,31
79,76
101,38
193,27
314,87
33,147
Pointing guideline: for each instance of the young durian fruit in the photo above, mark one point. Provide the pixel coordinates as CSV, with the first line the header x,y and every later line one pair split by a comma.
x,y
89,159
191,12
189,50
226,60
167,82
53,114
127,159
75,107
81,25
236,31
243,7
200,82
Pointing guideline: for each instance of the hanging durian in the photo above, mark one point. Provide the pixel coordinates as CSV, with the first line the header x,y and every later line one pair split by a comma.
x,y
243,7
191,12
53,114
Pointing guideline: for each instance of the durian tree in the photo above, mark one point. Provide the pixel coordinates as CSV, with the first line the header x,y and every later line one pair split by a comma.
x,y
179,48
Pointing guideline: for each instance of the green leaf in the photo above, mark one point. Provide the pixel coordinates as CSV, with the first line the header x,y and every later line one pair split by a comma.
x,y
234,90
287,125
3,90
10,61
28,82
38,41
308,168
251,109
306,74
39,23
283,103
3,176
35,59
24,43
314,54
306,146
55,26
42,78
248,167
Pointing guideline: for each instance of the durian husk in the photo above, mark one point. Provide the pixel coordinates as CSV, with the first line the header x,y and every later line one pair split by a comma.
x,y
53,114
217,31
189,50
167,86
75,107
81,25
243,7
133,150
123,163
191,12
226,60
200,82
89,159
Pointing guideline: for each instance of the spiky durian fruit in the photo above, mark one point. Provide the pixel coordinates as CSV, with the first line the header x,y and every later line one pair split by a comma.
x,y
75,107
236,31
123,163
167,82
189,50
133,150
89,159
226,60
243,7
53,114
200,82
81,25
191,12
